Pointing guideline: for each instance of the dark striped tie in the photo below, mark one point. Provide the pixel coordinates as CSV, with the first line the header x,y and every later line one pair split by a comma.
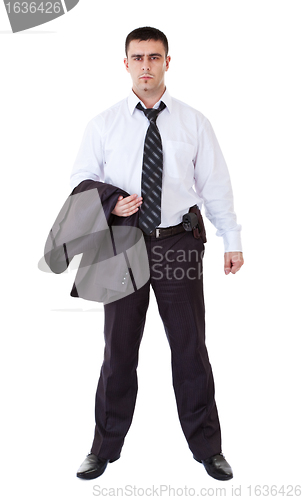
x,y
151,184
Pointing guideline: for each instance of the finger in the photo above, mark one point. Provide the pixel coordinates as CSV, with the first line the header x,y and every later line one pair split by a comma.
x,y
227,270
130,209
237,263
130,212
135,203
235,267
227,264
130,199
127,208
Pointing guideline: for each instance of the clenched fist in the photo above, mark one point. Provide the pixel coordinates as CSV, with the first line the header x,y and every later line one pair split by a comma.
x,y
233,261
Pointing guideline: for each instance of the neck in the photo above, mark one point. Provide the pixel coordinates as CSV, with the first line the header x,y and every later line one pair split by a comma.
x,y
149,100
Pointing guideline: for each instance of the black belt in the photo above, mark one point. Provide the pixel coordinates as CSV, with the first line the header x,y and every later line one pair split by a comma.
x,y
161,232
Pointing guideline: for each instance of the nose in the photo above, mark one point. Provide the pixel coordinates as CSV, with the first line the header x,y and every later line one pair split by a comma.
x,y
145,64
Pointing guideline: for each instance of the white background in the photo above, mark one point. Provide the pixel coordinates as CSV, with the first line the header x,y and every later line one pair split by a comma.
x,y
240,63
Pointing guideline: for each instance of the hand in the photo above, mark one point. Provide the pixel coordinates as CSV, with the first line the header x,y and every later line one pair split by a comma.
x,y
233,261
127,206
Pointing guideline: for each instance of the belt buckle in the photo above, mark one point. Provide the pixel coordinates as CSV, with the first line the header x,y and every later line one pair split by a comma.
x,y
157,232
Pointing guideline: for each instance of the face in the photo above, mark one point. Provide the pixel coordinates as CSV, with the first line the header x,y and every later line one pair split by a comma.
x,y
147,64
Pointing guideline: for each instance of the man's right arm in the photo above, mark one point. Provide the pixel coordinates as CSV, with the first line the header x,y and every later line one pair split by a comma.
x,y
89,160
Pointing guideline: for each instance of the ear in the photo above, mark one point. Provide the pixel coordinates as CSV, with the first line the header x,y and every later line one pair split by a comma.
x,y
167,63
126,64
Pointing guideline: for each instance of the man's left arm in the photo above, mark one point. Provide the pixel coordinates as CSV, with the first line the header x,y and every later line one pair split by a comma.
x,y
213,185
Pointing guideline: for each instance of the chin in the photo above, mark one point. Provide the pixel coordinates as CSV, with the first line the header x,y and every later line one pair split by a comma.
x,y
145,82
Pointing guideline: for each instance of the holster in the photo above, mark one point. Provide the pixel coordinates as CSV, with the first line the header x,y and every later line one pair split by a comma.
x,y
198,232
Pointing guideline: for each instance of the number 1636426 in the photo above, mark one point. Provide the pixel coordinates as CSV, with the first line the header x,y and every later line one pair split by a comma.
x,y
34,7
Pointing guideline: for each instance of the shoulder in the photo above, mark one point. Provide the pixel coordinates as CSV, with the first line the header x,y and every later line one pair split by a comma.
x,y
187,113
108,115
181,105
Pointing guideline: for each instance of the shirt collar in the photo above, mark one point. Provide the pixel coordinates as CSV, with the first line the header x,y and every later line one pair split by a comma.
x,y
133,101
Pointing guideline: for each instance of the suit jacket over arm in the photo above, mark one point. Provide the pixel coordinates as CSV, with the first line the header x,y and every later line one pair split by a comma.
x,y
114,261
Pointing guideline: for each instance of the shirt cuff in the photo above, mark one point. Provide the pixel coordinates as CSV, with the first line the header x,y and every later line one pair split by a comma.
x,y
232,241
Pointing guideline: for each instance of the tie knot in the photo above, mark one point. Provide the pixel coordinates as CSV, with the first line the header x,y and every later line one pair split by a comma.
x,y
151,113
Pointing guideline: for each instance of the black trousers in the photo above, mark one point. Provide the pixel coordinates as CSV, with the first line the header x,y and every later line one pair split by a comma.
x,y
176,277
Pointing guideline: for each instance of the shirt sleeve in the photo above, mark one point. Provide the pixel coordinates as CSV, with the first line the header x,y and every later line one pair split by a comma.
x,y
89,161
212,184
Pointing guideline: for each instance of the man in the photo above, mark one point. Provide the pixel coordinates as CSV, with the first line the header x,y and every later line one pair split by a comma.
x,y
166,156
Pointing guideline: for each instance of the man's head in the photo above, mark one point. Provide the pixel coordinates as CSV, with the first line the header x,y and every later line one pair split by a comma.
x,y
147,61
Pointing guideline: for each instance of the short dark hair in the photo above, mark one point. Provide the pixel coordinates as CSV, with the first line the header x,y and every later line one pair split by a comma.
x,y
146,33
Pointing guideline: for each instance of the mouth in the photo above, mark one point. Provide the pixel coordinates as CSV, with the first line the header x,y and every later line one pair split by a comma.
x,y
145,77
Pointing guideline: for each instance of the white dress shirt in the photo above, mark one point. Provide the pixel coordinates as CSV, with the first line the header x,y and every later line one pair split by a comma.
x,y
194,170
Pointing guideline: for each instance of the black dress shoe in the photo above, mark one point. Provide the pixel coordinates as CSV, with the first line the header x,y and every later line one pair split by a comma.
x,y
217,467
93,467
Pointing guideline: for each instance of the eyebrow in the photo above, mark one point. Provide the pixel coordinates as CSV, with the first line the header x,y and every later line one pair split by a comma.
x,y
150,55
